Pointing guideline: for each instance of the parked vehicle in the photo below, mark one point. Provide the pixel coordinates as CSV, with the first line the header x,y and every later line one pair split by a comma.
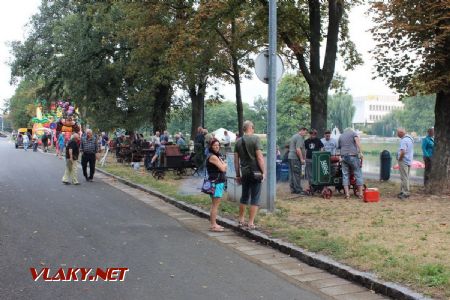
x,y
19,143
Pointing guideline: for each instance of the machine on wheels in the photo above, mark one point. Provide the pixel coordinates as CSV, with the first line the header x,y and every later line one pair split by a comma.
x,y
171,158
327,173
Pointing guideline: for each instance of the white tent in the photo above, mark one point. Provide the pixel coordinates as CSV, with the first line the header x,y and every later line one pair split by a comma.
x,y
335,133
219,134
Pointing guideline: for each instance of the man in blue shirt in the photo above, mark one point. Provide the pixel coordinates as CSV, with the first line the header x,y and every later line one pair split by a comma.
x,y
427,149
405,157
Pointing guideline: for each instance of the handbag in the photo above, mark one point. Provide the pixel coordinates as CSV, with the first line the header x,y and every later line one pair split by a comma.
x,y
208,187
255,172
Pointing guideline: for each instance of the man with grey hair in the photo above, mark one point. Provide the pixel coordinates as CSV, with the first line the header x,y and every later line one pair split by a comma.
x,y
249,162
89,147
405,157
351,153
72,152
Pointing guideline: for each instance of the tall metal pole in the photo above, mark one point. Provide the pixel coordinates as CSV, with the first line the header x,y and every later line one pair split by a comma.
x,y
272,109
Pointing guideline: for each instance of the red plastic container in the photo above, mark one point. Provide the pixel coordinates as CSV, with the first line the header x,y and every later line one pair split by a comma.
x,y
371,195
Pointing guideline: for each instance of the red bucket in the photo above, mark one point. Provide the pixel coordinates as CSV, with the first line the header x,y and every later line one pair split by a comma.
x,y
371,195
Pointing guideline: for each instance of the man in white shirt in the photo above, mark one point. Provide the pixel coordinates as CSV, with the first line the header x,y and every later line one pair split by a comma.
x,y
405,156
329,144
226,141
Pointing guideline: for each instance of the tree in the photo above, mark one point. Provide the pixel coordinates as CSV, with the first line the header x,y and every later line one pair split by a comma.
x,y
341,111
259,114
194,53
70,51
224,115
109,57
293,109
418,113
21,105
301,29
413,38
387,125
239,36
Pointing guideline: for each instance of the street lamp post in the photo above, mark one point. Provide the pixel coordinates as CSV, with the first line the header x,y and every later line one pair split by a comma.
x,y
272,108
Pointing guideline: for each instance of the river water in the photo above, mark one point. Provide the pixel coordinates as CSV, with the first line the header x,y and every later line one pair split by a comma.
x,y
371,164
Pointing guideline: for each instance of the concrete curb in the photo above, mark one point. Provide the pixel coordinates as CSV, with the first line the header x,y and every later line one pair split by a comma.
x,y
367,280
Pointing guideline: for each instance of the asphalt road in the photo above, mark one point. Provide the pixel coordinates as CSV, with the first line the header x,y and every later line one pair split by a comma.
x,y
44,223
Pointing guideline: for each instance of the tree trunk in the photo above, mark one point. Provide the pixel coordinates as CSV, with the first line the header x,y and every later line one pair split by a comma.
x,y
198,108
239,106
161,106
318,101
319,80
440,162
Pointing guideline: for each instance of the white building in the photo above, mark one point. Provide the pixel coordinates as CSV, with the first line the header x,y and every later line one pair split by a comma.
x,y
370,109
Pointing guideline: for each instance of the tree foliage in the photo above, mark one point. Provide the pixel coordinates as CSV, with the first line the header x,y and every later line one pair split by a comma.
x,y
302,29
293,109
21,105
417,116
388,125
413,38
341,111
239,35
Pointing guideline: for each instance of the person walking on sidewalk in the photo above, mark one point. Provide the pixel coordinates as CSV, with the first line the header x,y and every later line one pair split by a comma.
x,y
35,142
296,157
427,149
351,153
405,156
216,172
89,147
249,162
72,152
61,144
44,140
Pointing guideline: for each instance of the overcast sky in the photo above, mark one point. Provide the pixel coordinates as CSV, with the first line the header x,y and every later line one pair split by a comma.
x,y
14,14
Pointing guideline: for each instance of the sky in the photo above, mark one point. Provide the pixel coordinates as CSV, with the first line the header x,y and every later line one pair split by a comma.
x,y
14,14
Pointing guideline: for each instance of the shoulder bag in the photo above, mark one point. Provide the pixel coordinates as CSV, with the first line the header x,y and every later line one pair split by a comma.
x,y
208,186
255,174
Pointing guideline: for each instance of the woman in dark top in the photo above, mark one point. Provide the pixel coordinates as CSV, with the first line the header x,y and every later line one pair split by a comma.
x,y
216,171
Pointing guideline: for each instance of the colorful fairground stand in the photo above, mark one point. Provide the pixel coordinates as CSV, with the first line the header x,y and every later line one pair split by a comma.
x,y
59,118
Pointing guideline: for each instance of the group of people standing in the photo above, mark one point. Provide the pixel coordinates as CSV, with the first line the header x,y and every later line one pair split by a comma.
x,y
301,150
350,151
89,147
28,140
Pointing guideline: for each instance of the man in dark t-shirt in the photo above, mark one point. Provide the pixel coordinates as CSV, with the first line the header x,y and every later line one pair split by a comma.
x,y
313,143
72,152
248,158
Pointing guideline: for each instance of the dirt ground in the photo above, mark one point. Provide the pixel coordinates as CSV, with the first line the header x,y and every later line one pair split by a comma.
x,y
392,237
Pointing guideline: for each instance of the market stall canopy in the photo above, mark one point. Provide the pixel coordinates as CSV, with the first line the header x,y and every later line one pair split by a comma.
x,y
219,134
